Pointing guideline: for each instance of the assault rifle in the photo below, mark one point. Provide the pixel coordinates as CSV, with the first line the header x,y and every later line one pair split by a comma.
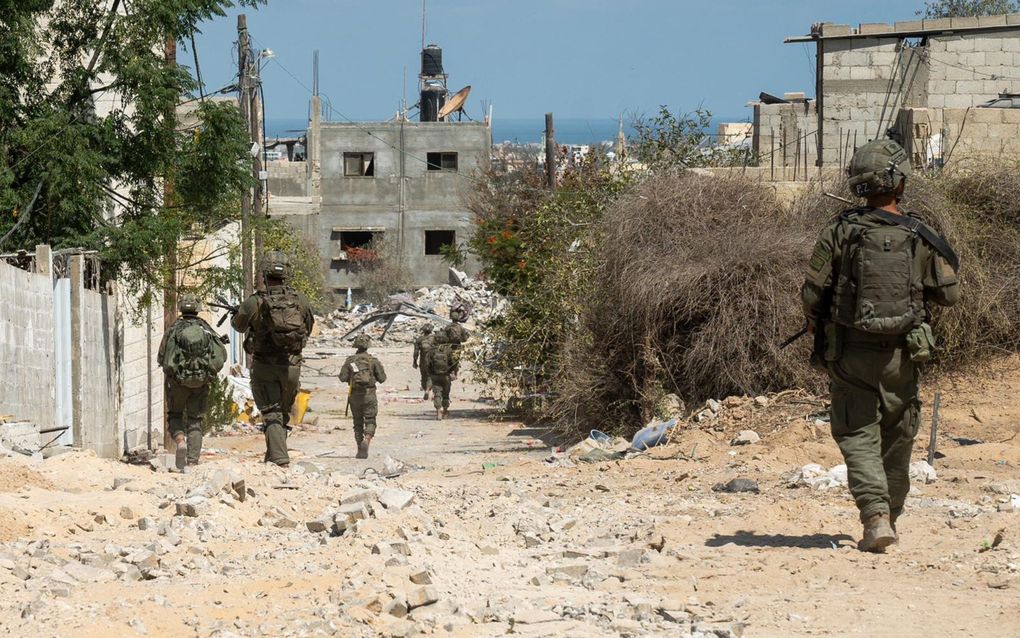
x,y
223,304
803,331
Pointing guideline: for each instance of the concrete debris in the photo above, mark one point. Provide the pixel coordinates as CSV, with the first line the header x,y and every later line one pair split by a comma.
x,y
420,597
746,437
193,506
394,499
921,472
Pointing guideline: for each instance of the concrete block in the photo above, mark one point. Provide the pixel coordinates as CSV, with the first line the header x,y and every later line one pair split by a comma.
x,y
864,73
964,23
1016,59
957,44
970,87
958,101
872,28
1011,44
998,58
830,30
830,72
1013,18
882,58
910,25
942,87
957,73
971,59
992,21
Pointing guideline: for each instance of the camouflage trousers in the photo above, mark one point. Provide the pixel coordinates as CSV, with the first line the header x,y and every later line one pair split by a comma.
x,y
364,409
275,387
185,414
875,416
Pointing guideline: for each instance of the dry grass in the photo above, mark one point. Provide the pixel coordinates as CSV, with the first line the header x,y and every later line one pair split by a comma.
x,y
700,282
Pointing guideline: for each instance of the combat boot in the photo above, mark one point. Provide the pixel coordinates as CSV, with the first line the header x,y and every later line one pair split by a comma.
x,y
446,413
878,534
439,414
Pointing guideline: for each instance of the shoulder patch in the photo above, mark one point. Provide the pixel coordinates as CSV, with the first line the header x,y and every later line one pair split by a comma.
x,y
820,257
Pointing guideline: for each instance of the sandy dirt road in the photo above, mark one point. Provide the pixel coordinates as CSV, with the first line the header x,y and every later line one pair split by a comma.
x,y
495,540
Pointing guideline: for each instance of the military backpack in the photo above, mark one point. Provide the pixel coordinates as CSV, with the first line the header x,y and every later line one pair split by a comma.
x,y
879,289
193,354
283,319
442,359
361,372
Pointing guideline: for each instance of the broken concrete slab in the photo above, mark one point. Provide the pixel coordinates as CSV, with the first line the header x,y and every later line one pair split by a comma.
x,y
395,499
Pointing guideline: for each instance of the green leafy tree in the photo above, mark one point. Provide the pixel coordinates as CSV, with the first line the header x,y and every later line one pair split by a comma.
x,y
968,8
671,141
128,181
535,248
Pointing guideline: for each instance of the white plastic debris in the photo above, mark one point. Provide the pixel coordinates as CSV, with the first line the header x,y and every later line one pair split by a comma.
x,y
817,477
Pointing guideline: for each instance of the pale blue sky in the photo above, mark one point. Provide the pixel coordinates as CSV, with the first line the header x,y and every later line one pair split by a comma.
x,y
576,58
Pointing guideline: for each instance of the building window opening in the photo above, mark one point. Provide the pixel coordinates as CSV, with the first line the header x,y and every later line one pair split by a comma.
x,y
442,161
436,239
359,164
357,238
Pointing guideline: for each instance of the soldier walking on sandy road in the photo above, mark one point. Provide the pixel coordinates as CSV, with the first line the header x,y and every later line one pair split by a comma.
x,y
191,355
362,371
871,277
277,322
422,347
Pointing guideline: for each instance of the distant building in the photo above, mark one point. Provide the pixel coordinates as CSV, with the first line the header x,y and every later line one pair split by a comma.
x,y
400,182
934,82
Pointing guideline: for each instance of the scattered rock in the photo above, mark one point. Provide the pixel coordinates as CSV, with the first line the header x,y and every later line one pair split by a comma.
x,y
358,496
195,505
394,499
746,437
120,482
737,485
421,578
391,547
127,513
420,597
921,472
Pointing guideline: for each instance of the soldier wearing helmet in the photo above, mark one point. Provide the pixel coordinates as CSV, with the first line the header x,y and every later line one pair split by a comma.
x,y
361,371
191,355
422,346
277,322
872,276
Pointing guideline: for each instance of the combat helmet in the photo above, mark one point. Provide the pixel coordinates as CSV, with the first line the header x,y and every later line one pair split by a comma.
x,y
427,328
362,342
189,304
878,168
276,265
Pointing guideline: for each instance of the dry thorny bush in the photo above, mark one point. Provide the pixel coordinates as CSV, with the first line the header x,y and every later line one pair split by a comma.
x,y
699,285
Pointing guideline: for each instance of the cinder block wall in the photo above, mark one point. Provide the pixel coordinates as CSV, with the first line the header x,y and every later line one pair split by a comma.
x,y
777,130
26,346
868,79
136,375
959,135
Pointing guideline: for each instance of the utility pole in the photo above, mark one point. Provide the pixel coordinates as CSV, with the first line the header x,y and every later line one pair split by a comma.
x,y
245,102
550,152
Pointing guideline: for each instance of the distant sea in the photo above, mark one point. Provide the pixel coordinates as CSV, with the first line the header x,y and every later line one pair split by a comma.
x,y
523,130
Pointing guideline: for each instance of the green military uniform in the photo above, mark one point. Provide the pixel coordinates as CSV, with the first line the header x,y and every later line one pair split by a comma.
x,y
443,364
422,346
362,371
186,405
276,371
871,308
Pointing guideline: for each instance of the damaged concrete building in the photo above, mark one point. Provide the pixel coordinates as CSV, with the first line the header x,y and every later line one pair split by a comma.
x,y
400,184
946,87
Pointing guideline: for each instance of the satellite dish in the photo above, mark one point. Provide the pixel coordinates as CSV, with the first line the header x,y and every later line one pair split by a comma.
x,y
456,103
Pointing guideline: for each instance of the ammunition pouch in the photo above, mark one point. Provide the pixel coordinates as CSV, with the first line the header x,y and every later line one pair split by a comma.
x,y
921,343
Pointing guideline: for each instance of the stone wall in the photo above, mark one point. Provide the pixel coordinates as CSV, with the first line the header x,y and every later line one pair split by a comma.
x,y
939,136
100,378
785,137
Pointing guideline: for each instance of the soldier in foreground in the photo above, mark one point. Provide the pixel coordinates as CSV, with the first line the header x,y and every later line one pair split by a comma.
x,y
276,323
871,277
422,346
191,355
362,371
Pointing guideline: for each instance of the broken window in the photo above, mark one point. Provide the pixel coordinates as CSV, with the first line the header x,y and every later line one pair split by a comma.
x,y
359,164
436,239
357,238
442,161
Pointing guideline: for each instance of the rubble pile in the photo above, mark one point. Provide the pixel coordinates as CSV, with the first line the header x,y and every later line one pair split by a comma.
x,y
483,304
746,420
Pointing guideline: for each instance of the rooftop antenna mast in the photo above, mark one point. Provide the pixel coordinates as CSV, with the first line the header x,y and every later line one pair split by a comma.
x,y
423,14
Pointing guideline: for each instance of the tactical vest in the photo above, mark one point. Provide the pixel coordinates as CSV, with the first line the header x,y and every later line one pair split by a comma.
x,y
280,327
879,286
